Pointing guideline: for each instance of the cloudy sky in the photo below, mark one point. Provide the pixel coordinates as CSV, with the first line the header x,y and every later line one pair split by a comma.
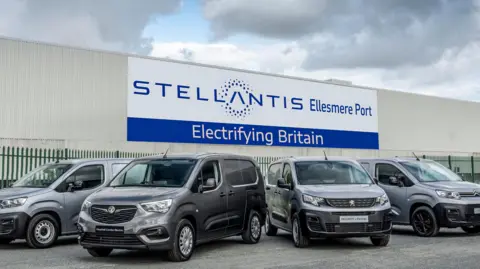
x,y
423,46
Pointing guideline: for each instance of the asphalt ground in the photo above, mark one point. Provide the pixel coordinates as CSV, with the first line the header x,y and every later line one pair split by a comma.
x,y
450,249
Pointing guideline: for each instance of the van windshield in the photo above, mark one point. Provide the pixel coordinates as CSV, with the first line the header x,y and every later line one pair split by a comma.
x,y
430,171
170,173
42,177
331,172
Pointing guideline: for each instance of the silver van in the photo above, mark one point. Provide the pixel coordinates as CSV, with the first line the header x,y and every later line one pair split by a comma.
x,y
46,202
427,195
316,197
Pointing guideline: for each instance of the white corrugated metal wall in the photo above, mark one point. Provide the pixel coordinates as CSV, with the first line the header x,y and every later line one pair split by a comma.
x,y
67,97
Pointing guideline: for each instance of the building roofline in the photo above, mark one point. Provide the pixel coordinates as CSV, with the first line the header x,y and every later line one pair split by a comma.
x,y
227,68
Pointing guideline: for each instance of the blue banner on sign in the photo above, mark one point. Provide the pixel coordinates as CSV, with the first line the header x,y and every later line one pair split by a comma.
x,y
176,131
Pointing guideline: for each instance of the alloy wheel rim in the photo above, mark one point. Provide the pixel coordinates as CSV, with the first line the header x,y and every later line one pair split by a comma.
x,y
186,240
255,227
423,222
44,232
295,231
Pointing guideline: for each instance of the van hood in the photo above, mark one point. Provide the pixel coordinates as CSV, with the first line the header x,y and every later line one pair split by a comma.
x,y
131,195
17,192
459,186
342,191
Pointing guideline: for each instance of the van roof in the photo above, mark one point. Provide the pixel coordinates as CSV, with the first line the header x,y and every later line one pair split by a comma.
x,y
199,155
316,158
86,160
394,159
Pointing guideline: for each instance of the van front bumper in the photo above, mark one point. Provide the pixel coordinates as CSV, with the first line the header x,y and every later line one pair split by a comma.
x,y
132,235
345,224
13,225
457,215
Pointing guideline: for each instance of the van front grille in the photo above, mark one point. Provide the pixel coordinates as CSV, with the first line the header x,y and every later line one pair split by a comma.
x,y
351,203
121,214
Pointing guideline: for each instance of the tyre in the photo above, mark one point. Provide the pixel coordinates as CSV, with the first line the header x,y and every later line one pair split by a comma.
x,y
42,231
270,230
253,232
5,241
99,252
471,229
424,222
299,239
380,241
184,242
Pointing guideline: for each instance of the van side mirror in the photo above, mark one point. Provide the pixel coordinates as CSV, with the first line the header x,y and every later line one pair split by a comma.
x,y
281,184
395,181
75,185
375,180
209,184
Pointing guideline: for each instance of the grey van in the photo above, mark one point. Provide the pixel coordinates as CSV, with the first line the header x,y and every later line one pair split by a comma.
x,y
427,195
173,203
46,202
316,197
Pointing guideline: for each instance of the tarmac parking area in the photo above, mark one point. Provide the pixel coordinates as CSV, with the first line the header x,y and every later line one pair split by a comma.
x,y
450,249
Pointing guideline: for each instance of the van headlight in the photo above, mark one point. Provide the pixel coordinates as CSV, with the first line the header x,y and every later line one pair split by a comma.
x,y
10,203
159,206
448,194
86,206
382,200
313,200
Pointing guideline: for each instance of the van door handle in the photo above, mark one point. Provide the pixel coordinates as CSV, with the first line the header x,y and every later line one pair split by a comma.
x,y
222,194
231,193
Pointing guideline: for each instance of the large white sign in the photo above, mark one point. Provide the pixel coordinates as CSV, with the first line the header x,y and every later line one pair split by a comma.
x,y
183,103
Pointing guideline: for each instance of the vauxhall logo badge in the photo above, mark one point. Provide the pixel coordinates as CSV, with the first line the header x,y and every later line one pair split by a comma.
x,y
476,193
111,209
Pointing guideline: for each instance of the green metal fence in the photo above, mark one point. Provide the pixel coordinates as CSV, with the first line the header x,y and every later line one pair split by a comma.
x,y
17,161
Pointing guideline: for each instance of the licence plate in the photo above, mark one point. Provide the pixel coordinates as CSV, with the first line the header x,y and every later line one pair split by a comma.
x,y
353,219
476,210
109,230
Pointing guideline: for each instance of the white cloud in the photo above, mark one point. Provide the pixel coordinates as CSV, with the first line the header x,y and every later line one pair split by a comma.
x,y
454,75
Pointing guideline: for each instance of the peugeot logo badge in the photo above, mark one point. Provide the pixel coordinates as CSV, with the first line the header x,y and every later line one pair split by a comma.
x,y
111,209
352,203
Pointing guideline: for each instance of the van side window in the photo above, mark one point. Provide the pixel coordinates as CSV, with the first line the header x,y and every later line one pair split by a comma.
x,y
287,173
116,167
210,170
91,176
248,170
384,171
240,172
366,166
274,173
136,175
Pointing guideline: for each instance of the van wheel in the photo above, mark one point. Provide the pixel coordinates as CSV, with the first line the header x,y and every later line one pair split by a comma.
x,y
380,241
424,222
42,231
270,230
99,252
184,242
471,229
253,232
299,239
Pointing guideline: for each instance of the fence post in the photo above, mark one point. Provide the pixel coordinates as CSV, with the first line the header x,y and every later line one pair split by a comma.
x,y
117,154
473,168
450,162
